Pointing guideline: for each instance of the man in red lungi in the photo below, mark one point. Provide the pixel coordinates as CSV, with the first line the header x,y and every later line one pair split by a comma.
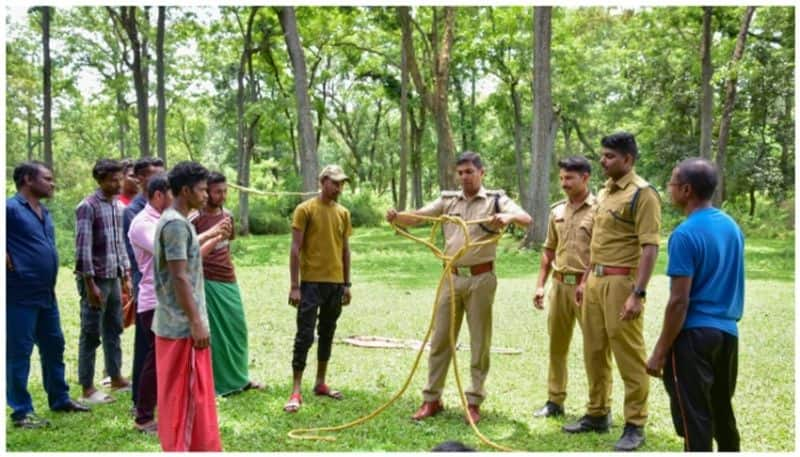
x,y
187,408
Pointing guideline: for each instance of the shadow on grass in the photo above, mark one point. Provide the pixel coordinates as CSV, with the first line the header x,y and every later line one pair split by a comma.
x,y
264,427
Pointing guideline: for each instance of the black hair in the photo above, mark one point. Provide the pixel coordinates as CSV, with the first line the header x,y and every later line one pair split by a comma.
x,y
215,177
701,174
452,446
472,157
186,173
623,142
575,163
145,162
104,167
127,164
158,183
30,168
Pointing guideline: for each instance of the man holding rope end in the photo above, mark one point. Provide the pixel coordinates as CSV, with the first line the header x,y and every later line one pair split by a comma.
x,y
473,276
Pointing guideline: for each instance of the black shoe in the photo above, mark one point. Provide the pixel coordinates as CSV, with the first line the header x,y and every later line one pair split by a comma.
x,y
73,406
31,420
632,438
588,423
549,409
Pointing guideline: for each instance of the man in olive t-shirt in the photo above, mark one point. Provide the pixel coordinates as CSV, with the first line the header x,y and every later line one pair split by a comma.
x,y
321,255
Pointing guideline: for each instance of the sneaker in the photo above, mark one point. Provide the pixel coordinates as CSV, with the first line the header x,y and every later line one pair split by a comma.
x,y
549,409
588,423
31,421
632,438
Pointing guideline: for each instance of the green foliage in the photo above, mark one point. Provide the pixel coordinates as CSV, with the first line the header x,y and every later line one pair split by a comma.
x,y
366,208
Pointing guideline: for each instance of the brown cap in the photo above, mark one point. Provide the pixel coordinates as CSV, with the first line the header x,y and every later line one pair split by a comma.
x,y
334,173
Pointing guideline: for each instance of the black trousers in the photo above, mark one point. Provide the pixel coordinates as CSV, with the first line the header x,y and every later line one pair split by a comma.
x,y
700,378
141,345
320,304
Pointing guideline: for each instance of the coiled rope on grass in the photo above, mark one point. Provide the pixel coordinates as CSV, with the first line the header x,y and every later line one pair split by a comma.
x,y
307,433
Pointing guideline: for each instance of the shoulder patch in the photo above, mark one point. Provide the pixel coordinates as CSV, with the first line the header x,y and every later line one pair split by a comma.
x,y
451,194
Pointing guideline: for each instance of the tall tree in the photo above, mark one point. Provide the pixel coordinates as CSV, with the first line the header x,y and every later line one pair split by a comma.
x,y
707,104
436,98
309,163
161,114
545,126
401,200
125,18
46,12
730,100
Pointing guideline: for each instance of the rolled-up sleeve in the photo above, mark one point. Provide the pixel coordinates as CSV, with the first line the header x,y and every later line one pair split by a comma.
x,y
432,209
84,216
648,217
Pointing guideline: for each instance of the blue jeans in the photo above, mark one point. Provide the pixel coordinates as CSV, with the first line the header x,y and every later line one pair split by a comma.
x,y
105,322
26,326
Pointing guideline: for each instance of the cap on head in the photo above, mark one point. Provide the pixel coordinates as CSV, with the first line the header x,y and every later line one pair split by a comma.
x,y
334,173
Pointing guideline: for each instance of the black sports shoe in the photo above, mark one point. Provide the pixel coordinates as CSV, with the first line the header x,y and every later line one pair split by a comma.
x,y
549,409
588,423
632,438
31,420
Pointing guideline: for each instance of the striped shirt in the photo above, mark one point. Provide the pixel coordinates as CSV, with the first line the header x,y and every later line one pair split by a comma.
x,y
99,242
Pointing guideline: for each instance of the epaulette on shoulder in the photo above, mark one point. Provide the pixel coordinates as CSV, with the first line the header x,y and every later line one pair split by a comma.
x,y
560,202
493,192
450,194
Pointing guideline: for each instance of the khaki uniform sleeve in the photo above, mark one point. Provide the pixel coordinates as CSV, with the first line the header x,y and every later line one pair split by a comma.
x,y
507,205
648,217
552,235
300,218
433,209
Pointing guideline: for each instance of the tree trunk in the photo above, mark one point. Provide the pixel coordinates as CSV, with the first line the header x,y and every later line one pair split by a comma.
x,y
730,100
403,187
29,119
244,134
436,101
309,163
544,128
417,131
518,160
47,86
161,114
752,202
707,104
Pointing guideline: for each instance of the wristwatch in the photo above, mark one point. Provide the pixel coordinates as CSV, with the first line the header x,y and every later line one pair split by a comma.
x,y
641,293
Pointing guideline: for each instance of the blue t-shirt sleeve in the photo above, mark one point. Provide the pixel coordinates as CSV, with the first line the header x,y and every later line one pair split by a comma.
x,y
681,255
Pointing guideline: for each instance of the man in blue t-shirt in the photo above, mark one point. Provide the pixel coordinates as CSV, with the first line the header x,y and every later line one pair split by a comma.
x,y
698,347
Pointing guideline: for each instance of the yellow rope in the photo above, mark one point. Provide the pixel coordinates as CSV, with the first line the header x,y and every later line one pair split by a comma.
x,y
250,190
304,433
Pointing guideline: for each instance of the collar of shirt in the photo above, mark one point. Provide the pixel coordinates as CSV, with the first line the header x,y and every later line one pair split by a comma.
x,y
589,200
152,212
622,182
23,201
480,194
100,195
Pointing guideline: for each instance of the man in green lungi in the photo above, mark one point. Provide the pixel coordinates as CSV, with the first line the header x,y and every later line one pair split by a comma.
x,y
224,301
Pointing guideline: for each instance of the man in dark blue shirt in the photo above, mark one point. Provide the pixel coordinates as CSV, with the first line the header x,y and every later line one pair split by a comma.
x,y
698,346
143,170
31,311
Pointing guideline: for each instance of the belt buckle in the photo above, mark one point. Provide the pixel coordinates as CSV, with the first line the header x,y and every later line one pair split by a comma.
x,y
598,270
570,279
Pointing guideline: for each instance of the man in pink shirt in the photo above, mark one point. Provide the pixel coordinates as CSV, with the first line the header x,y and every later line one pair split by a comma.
x,y
141,235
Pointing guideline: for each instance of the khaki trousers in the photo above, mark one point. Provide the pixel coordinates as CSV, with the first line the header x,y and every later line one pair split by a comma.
x,y
474,296
603,334
561,316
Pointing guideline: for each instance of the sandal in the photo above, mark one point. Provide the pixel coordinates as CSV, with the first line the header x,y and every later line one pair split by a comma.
x,y
149,428
96,398
293,405
253,385
324,390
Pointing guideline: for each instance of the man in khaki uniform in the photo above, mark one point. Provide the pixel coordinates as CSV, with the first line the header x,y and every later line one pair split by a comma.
x,y
473,276
623,249
566,252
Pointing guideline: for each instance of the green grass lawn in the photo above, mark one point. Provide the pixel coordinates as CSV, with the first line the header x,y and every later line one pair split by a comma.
x,y
393,288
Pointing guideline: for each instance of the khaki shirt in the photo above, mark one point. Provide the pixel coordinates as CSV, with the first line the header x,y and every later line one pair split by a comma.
x,y
619,233
480,206
569,232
